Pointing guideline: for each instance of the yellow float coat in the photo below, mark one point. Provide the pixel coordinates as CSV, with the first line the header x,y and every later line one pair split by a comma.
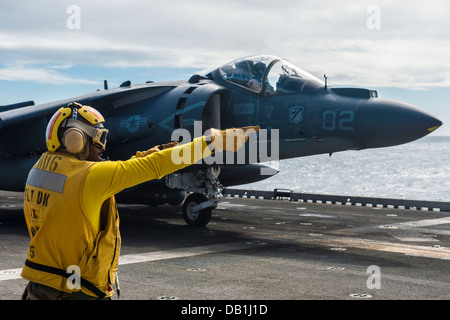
x,y
72,219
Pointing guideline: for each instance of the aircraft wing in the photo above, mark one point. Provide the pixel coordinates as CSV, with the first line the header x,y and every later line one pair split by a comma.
x,y
114,98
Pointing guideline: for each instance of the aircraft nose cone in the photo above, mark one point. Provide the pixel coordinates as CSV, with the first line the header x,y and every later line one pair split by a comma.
x,y
386,123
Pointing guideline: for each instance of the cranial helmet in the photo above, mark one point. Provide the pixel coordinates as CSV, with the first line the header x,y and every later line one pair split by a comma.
x,y
70,126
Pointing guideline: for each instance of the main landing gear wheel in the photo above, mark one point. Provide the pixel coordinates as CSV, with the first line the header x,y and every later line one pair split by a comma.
x,y
196,218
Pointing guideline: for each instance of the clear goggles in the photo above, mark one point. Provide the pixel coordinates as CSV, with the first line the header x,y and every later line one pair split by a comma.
x,y
99,137
97,134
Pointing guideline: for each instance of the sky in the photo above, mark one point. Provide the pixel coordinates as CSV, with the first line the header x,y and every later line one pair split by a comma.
x,y
51,50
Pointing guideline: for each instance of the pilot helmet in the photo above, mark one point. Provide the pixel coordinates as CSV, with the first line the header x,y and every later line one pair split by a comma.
x,y
70,126
259,68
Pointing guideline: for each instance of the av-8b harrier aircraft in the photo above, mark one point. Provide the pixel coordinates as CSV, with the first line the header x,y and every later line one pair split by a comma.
x,y
298,115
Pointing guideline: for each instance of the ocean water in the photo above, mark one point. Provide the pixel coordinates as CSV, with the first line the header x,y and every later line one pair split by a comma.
x,y
418,170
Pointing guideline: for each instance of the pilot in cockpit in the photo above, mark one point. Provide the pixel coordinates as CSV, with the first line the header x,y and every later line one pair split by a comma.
x,y
247,73
257,80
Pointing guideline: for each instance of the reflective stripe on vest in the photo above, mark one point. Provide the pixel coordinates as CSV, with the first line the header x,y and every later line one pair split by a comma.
x,y
47,180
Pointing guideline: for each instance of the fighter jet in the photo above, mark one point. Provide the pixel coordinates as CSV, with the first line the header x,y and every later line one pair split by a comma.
x,y
297,113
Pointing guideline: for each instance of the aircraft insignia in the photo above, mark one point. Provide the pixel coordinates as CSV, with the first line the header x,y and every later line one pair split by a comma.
x,y
296,114
133,123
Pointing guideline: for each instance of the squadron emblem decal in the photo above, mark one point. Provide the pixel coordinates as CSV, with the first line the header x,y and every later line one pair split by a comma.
x,y
296,114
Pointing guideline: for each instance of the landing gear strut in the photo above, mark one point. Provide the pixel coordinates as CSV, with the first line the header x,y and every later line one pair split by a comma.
x,y
205,187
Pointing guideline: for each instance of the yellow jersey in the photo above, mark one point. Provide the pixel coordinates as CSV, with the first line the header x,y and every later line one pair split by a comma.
x,y
72,219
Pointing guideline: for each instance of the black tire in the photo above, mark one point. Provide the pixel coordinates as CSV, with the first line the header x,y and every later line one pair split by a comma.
x,y
199,219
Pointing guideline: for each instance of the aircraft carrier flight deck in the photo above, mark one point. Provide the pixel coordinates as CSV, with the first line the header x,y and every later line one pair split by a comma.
x,y
255,248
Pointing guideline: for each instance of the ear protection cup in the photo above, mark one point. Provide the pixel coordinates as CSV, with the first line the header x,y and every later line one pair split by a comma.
x,y
74,140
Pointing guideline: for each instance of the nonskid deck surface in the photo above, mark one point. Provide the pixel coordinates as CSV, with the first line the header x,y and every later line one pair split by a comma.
x,y
263,249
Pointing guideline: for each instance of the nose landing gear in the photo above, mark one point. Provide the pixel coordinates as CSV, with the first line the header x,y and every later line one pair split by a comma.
x,y
206,193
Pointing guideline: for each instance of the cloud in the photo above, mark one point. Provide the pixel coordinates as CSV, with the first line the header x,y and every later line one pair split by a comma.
x,y
48,75
386,62
410,48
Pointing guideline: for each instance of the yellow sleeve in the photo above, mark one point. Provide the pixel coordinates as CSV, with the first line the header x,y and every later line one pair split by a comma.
x,y
110,177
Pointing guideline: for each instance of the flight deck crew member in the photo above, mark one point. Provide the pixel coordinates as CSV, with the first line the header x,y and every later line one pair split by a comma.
x,y
70,209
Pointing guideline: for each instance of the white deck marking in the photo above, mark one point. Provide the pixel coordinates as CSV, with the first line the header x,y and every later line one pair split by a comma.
x,y
181,253
11,274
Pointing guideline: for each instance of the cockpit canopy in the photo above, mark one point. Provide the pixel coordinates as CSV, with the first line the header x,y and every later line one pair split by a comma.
x,y
270,75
